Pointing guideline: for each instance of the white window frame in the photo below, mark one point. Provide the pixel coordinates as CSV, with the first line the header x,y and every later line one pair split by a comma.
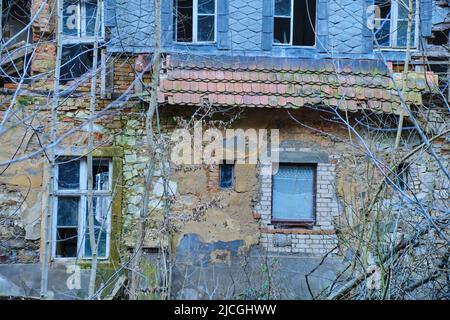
x,y
291,24
394,26
82,193
195,16
291,17
81,36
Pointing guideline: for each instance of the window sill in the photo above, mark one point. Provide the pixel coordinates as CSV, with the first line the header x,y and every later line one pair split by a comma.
x,y
298,231
284,46
195,43
102,260
395,49
294,223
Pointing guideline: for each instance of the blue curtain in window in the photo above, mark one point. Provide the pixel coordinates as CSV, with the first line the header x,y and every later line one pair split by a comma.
x,y
293,188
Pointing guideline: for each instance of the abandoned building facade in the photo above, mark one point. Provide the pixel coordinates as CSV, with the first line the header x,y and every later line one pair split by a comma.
x,y
304,68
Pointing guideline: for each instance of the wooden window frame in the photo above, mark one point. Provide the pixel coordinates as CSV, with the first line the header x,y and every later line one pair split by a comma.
x,y
393,30
195,16
81,36
291,18
81,193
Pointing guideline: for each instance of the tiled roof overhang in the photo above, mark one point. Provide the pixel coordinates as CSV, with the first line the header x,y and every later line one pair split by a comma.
x,y
285,83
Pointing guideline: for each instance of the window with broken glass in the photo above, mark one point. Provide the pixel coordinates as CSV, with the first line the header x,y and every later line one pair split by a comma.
x,y
71,232
391,24
195,21
78,26
293,194
294,22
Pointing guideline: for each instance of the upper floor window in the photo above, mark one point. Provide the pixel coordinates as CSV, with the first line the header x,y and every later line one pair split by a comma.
x,y
78,26
294,22
71,232
391,24
79,20
293,194
195,20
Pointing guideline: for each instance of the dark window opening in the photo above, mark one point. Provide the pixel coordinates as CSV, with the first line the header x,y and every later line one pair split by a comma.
x,y
67,227
226,175
76,60
293,194
295,22
183,20
439,38
66,242
14,62
15,17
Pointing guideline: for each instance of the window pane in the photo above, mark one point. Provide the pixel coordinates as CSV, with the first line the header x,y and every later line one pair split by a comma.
x,y
101,246
70,18
205,28
283,7
383,33
206,6
91,14
183,13
226,175
101,206
68,174
293,188
403,9
66,242
100,170
282,30
68,211
402,31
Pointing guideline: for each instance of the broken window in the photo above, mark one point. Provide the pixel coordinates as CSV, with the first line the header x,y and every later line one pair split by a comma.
x,y
293,188
195,20
76,60
294,22
391,24
78,37
71,208
226,175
